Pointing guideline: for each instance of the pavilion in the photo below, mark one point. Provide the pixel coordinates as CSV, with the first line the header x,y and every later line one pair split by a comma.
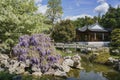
x,y
93,34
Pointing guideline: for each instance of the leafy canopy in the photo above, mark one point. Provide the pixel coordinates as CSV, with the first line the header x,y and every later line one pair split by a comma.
x,y
64,31
18,17
54,11
112,18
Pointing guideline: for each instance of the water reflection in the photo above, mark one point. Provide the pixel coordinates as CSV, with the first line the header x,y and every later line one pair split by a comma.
x,y
91,75
84,75
94,72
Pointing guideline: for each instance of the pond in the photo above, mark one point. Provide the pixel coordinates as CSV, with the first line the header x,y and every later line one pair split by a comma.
x,y
91,72
94,72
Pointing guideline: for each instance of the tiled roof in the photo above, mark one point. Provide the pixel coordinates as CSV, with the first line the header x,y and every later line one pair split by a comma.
x,y
95,27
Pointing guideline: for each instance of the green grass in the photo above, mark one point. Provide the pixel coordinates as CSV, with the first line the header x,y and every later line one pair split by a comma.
x,y
6,76
63,53
115,56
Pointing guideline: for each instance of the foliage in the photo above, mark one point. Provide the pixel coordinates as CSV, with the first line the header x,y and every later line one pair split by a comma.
x,y
38,49
54,11
64,31
17,17
6,76
112,18
115,44
102,58
80,22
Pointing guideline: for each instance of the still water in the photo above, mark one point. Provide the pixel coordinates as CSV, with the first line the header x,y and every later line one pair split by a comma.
x,y
94,72
91,72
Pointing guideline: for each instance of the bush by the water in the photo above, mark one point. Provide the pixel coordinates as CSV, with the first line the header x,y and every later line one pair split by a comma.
x,y
115,43
37,48
101,58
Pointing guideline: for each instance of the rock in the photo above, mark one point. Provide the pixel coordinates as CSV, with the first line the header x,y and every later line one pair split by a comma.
x,y
35,68
37,74
1,69
116,51
68,51
22,64
71,62
11,70
5,63
57,66
76,57
14,67
110,59
85,51
66,68
89,49
27,62
96,54
68,62
77,63
60,73
119,66
50,72
4,57
78,66
67,57
19,70
14,62
26,73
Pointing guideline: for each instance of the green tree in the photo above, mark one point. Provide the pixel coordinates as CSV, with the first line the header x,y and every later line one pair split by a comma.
x,y
115,44
80,22
111,19
54,11
17,17
64,31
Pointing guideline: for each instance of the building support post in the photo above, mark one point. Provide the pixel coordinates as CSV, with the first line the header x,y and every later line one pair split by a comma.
x,y
103,36
95,36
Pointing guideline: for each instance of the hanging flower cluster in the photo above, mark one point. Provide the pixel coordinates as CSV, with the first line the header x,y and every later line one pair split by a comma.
x,y
38,49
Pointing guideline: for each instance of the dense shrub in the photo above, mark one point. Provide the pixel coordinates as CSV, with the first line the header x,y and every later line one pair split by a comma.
x,y
101,58
38,49
64,31
115,44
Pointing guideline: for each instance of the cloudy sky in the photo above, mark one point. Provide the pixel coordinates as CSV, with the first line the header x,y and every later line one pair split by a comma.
x,y
79,8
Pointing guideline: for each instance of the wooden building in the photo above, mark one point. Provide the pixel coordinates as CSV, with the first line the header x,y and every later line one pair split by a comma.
x,y
92,33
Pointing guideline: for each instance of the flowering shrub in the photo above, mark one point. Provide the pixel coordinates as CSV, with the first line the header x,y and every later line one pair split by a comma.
x,y
38,49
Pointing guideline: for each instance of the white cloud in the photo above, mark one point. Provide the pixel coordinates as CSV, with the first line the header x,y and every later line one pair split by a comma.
x,y
41,8
118,5
38,1
103,7
82,2
78,16
101,1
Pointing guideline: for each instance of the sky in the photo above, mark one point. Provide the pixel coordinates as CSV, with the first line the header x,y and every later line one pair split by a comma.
x,y
73,9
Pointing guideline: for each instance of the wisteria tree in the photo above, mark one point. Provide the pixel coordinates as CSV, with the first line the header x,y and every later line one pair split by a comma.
x,y
17,17
38,49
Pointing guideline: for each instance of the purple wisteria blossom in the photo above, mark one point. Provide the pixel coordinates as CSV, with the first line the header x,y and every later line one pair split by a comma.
x,y
38,48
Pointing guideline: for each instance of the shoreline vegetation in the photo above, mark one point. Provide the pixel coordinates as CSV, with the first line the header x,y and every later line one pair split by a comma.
x,y
27,43
84,61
